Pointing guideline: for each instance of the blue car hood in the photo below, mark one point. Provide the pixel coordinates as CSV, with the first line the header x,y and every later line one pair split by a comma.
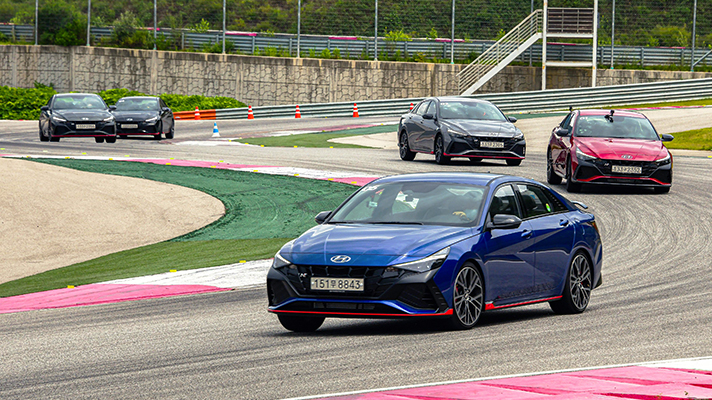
x,y
371,245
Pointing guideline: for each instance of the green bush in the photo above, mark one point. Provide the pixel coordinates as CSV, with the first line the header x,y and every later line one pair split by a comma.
x,y
61,24
18,103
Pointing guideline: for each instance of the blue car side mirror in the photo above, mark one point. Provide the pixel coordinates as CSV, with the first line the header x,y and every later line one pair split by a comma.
x,y
322,216
504,221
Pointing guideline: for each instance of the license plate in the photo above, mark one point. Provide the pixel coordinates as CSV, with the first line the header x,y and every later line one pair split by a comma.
x,y
86,126
492,145
129,126
624,169
337,284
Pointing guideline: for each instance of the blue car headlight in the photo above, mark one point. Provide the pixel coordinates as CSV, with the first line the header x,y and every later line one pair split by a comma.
x,y
280,262
432,261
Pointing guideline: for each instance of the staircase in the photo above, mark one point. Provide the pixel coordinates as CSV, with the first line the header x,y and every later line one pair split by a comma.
x,y
494,59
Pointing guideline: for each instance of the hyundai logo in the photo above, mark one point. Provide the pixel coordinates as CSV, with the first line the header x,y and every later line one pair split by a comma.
x,y
129,119
340,259
627,156
85,119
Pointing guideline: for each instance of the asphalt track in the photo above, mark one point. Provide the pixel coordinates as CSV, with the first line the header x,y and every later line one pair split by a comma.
x,y
654,304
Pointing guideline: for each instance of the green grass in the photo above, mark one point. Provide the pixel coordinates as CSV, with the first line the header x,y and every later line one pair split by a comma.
x,y
147,260
698,139
318,139
262,212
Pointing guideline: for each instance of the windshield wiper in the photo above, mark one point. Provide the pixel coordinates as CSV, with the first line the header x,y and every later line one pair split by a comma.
x,y
395,223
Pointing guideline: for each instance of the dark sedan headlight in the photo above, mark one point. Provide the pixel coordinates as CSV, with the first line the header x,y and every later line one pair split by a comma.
x,y
457,133
425,264
109,119
56,118
151,120
583,156
664,161
519,135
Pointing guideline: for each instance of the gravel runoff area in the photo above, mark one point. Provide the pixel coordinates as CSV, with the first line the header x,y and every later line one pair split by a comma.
x,y
52,217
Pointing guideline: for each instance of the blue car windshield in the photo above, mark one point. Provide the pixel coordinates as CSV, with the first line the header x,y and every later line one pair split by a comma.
x,y
79,102
463,109
147,104
420,203
605,126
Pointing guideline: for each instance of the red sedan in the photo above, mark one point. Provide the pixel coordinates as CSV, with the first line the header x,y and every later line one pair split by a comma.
x,y
610,148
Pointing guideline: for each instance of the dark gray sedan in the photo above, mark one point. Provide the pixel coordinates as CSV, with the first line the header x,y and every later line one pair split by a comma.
x,y
76,115
144,115
460,127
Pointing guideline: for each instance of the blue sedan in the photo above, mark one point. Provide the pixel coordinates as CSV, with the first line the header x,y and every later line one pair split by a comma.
x,y
439,245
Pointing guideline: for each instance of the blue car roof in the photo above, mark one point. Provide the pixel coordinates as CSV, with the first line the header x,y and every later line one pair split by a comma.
x,y
472,178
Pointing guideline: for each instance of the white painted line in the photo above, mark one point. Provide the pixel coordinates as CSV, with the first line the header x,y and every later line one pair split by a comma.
x,y
232,276
702,361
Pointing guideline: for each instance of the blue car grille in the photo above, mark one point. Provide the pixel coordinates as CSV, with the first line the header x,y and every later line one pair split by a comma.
x,y
376,279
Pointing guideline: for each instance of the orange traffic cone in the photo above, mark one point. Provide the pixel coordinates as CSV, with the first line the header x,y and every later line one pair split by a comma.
x,y
249,113
355,111
298,114
411,106
197,113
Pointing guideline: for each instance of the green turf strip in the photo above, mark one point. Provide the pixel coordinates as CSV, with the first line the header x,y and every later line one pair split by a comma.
x,y
262,213
698,139
319,139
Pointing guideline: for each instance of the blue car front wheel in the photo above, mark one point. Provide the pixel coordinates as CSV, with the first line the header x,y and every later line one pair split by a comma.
x,y
468,298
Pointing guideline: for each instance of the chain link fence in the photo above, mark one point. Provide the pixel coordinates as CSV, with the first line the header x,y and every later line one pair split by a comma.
x,y
312,28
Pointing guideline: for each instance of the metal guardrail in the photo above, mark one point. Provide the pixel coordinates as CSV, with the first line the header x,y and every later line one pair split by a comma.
x,y
519,102
354,47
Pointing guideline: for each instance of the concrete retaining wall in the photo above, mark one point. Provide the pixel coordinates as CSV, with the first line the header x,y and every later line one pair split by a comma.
x,y
273,81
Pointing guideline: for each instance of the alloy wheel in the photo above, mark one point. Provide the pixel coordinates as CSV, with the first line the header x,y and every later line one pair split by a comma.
x,y
468,296
580,282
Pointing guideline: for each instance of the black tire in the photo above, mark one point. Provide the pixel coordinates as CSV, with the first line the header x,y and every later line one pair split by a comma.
x,y
99,139
171,133
111,139
662,189
297,323
551,177
475,160
577,289
405,153
571,186
43,138
514,163
54,139
468,298
439,150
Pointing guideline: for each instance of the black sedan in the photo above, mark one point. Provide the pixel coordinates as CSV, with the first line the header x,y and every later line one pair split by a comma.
x,y
76,115
460,127
143,116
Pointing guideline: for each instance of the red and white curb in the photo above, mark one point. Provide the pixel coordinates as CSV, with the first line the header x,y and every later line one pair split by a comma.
x,y
660,380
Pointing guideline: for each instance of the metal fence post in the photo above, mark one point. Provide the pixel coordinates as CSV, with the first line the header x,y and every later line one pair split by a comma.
x,y
613,30
155,24
299,30
223,44
375,36
694,25
452,35
89,23
37,8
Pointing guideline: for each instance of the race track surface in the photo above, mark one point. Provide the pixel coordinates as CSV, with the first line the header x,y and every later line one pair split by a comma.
x,y
654,303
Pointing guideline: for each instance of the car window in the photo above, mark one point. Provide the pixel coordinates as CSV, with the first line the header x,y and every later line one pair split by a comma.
x,y
534,201
421,108
556,204
607,126
504,202
428,203
464,109
79,102
566,122
146,104
432,109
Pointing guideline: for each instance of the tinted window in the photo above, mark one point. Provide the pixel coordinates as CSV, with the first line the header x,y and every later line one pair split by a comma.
x,y
534,201
615,127
566,122
146,104
420,110
431,203
463,109
504,202
79,102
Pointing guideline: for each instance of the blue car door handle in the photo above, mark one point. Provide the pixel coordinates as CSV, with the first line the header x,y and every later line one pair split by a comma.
x,y
527,233
564,222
